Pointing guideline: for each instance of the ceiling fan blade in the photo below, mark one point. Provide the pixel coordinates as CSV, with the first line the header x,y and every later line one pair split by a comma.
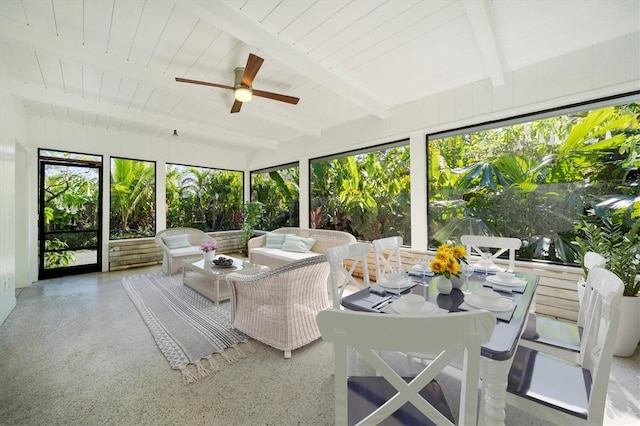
x,y
203,83
236,106
251,69
276,96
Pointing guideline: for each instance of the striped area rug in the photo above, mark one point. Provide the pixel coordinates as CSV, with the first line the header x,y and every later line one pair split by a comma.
x,y
192,333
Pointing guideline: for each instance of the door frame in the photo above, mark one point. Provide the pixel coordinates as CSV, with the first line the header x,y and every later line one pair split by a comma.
x,y
43,162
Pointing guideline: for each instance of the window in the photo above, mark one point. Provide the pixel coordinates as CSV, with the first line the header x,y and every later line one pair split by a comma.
x,y
536,179
366,193
203,198
279,192
133,199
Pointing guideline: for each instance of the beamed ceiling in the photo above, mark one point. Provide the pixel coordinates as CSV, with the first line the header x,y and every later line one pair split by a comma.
x,y
112,63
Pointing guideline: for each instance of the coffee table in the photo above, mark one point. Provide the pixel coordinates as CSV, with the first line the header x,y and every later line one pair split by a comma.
x,y
205,279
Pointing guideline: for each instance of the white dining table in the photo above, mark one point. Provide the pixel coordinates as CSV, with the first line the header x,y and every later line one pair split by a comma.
x,y
497,353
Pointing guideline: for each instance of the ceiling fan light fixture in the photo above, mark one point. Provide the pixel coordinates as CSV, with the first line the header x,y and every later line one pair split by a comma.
x,y
242,93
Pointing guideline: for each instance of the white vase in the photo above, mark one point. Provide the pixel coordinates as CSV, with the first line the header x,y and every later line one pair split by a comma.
x,y
629,328
457,282
443,284
209,256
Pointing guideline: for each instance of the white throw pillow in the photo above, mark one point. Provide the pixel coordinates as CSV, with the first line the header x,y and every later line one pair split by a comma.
x,y
275,240
176,241
297,244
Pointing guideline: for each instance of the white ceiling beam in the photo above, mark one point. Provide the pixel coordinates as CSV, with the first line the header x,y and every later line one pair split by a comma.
x,y
34,39
232,21
61,99
479,14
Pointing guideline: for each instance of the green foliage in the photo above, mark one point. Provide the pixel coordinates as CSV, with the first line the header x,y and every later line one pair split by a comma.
x,y
279,193
251,212
535,180
57,259
619,246
202,198
368,195
133,211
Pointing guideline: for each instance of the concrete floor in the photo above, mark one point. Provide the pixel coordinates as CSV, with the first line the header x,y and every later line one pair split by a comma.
x,y
75,351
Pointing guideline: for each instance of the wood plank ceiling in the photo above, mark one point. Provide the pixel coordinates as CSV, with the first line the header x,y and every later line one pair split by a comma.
x,y
111,63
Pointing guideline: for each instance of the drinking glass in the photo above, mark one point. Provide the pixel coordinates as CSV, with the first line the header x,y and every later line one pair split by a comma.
x,y
467,271
486,262
424,265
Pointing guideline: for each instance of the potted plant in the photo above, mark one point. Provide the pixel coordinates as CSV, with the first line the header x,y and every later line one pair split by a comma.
x,y
251,212
622,250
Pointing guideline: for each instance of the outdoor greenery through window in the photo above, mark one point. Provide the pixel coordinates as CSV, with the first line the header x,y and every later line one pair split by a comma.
x,y
203,198
133,199
538,180
279,192
366,193
69,208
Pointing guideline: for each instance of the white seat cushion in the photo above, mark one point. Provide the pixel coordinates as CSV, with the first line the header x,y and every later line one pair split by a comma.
x,y
281,254
185,251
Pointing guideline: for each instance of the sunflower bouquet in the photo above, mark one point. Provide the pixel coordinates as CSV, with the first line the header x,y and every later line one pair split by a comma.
x,y
447,260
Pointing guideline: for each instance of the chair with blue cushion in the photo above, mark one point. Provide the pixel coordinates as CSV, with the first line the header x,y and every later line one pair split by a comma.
x,y
559,337
388,397
566,392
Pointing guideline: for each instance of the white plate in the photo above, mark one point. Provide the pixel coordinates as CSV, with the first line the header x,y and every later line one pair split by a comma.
x,y
501,305
492,268
419,268
515,282
405,283
400,307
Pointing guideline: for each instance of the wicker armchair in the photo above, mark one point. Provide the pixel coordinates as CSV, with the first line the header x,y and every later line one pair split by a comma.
x,y
279,307
172,259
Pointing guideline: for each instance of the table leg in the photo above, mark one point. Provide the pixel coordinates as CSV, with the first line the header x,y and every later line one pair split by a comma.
x,y
494,388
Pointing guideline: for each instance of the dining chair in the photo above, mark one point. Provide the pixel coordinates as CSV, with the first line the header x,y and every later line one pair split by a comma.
x,y
386,252
341,278
371,399
559,337
566,392
475,243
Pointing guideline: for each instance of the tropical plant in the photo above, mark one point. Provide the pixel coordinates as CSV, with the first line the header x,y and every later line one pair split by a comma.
x,y
367,194
621,249
251,212
55,256
534,180
278,191
132,198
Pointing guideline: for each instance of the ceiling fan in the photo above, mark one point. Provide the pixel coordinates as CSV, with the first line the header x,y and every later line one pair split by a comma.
x,y
242,89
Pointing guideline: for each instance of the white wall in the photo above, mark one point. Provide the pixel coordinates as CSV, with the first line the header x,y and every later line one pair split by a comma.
x,y
11,130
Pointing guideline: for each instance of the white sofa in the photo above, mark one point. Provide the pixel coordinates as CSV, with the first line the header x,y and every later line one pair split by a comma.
x,y
172,257
273,257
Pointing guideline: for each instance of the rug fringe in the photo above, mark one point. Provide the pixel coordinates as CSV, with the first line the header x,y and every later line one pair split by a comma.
x,y
201,369
249,346
241,354
213,365
187,376
227,356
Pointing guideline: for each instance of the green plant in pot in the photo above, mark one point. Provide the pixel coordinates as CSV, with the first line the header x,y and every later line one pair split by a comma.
x,y
620,246
251,212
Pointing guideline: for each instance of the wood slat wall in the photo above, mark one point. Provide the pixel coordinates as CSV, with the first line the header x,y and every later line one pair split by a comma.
x,y
125,254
